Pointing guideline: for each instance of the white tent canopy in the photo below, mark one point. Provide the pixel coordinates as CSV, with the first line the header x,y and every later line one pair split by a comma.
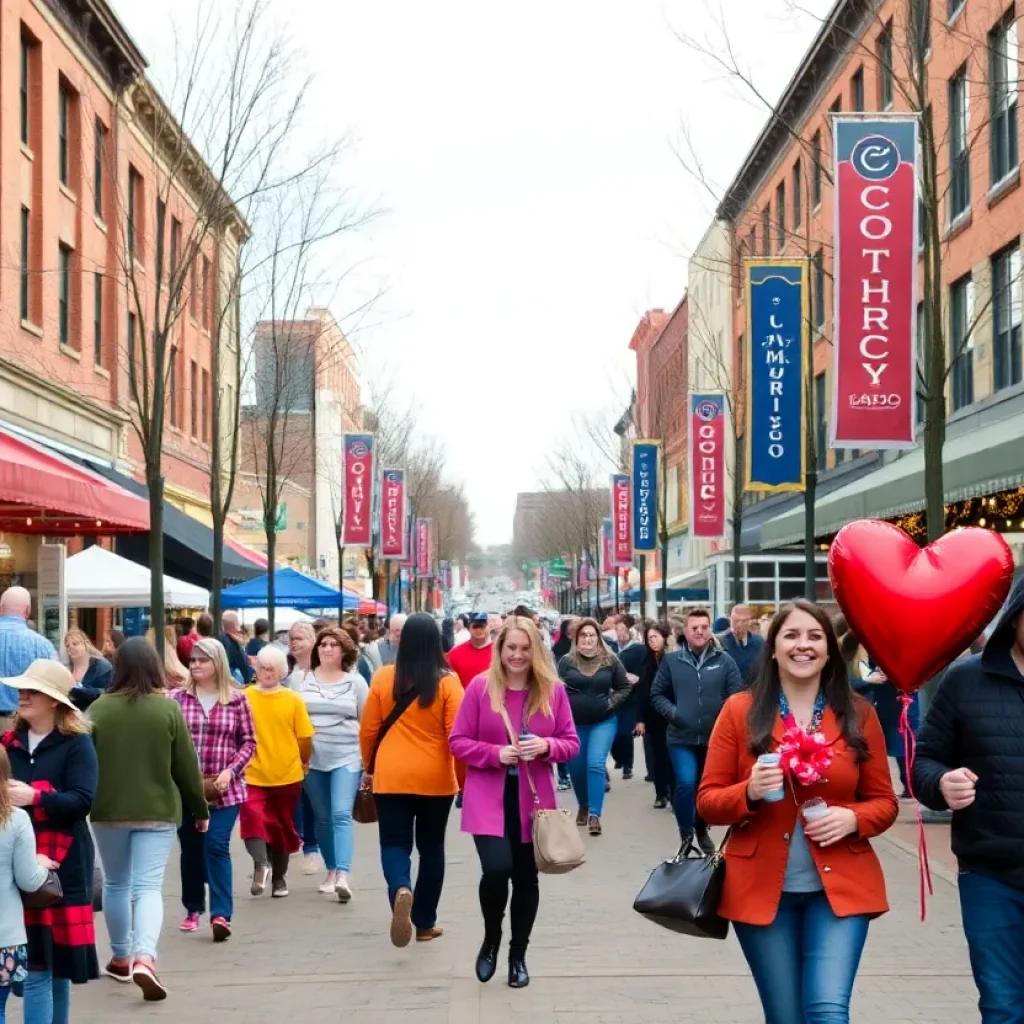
x,y
284,618
97,578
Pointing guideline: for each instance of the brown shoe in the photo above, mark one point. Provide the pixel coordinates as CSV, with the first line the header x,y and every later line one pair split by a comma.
x,y
594,825
426,934
401,918
581,817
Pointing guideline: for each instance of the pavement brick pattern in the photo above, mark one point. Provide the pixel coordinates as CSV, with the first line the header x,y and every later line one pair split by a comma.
x,y
310,960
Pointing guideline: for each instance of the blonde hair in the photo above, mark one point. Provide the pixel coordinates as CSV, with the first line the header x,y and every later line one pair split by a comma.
x,y
214,650
174,671
84,639
541,679
5,795
66,720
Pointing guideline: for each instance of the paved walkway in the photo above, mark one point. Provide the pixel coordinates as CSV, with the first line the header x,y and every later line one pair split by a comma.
x,y
592,961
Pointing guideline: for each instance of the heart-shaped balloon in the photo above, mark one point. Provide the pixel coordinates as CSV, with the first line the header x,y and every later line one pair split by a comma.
x,y
916,609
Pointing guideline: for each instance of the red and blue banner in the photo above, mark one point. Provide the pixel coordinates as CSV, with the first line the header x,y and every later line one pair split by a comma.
x,y
357,490
606,567
622,520
424,554
873,384
645,496
777,310
392,532
707,466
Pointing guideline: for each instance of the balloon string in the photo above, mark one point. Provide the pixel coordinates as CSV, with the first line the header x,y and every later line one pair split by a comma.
x,y
910,753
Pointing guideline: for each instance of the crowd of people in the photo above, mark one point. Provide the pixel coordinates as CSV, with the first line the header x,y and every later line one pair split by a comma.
x,y
778,730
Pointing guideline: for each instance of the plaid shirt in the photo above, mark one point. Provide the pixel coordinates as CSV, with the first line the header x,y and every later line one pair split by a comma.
x,y
19,647
225,739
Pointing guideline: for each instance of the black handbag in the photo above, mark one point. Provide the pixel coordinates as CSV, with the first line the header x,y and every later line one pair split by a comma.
x,y
49,894
364,808
683,894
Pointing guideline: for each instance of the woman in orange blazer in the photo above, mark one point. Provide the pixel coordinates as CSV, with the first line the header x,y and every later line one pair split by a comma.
x,y
800,893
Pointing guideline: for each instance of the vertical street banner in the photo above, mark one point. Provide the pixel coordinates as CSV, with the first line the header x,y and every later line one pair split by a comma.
x,y
424,556
545,577
444,574
777,311
409,558
874,391
391,532
585,569
357,494
645,496
707,466
606,567
622,520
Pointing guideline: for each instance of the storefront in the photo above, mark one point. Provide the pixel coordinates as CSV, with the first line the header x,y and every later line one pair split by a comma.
x,y
767,581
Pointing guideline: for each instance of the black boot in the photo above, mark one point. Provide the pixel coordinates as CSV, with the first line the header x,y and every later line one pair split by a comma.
x,y
518,976
487,961
706,843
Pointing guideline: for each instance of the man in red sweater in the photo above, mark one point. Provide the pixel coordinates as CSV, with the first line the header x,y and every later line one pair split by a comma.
x,y
467,661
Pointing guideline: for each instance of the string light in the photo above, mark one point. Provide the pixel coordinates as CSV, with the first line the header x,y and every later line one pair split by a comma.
x,y
999,512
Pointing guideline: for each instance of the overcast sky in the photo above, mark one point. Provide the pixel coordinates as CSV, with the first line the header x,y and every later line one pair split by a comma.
x,y
523,155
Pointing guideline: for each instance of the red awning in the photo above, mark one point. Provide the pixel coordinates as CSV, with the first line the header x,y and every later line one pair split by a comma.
x,y
42,492
253,556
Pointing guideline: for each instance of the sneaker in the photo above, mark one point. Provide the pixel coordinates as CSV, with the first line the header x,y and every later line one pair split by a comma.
x,y
458,799
341,888
221,928
327,888
259,880
401,918
144,975
626,775
312,864
660,804
119,970
279,888
564,787
190,924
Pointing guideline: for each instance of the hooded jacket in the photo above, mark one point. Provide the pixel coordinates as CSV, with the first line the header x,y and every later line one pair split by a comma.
x,y
977,721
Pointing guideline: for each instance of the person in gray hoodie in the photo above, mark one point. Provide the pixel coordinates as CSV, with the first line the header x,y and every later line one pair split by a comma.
x,y
691,685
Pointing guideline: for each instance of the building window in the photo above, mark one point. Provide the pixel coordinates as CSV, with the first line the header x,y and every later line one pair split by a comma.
x,y
820,439
753,240
161,220
134,180
837,106
194,399
26,81
1002,58
99,144
172,386
857,90
64,301
818,286
131,354
961,341
206,294
175,249
954,7
816,169
959,150
25,258
63,126
885,72
1006,315
797,197
921,27
766,231
780,216
193,289
206,407
97,319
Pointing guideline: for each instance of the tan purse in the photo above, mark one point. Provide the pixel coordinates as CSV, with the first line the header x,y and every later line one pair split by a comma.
x,y
557,844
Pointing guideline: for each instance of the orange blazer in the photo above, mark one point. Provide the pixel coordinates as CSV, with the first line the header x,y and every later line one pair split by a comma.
x,y
758,848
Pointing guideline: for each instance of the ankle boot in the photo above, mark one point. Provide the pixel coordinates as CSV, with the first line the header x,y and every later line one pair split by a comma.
x,y
518,976
487,961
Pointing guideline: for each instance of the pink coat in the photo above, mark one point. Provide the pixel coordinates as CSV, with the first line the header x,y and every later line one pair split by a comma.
x,y
477,738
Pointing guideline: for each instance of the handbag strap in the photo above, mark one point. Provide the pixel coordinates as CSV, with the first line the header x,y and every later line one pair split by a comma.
x,y
513,736
404,702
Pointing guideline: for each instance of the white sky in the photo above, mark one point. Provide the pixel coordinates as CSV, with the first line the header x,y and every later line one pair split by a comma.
x,y
534,208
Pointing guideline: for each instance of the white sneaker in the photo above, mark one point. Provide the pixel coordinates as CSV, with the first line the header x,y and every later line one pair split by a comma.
x,y
311,864
260,875
342,888
329,883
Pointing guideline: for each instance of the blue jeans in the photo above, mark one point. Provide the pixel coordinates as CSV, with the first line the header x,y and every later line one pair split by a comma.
x,y
587,768
206,861
993,916
134,862
305,824
47,999
804,963
687,766
332,795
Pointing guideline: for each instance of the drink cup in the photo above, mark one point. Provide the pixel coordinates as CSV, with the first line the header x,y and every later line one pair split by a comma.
x,y
774,760
814,809
526,736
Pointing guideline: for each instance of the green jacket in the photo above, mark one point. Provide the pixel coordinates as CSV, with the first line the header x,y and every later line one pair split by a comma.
x,y
147,760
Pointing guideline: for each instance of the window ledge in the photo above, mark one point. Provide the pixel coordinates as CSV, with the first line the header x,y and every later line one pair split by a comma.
x,y
1003,187
102,371
100,223
960,224
26,152
67,193
27,325
71,353
955,16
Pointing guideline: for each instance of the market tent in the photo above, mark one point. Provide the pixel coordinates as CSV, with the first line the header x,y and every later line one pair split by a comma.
x,y
284,618
291,590
97,578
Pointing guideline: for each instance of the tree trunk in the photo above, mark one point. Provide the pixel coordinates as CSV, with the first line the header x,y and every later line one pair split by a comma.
x,y
217,583
664,577
371,564
155,483
643,586
271,574
810,561
341,581
737,522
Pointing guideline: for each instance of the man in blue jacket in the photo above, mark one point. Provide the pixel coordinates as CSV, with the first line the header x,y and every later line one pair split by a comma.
x,y
688,691
740,644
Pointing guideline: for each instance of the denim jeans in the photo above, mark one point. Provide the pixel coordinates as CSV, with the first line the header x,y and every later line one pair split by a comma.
x,y
333,795
134,862
687,766
587,768
47,999
400,819
804,963
206,861
4,993
305,824
624,746
993,916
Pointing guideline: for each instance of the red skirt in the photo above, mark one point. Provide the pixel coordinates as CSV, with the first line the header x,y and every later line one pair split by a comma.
x,y
269,814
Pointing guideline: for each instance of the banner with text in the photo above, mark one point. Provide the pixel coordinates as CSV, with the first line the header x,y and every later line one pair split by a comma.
x,y
357,496
607,563
391,533
622,520
873,386
645,496
409,558
777,297
707,466
424,555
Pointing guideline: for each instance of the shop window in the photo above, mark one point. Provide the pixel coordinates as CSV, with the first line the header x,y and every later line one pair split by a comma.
x,y
1003,88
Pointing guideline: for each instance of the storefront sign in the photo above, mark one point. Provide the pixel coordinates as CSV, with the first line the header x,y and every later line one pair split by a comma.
x,y
645,496
777,296
357,497
707,466
622,520
52,604
873,387
392,530
424,555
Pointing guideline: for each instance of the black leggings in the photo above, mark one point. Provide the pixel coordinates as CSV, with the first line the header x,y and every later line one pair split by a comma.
x,y
503,859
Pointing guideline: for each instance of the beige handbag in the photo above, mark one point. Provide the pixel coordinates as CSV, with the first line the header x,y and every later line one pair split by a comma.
x,y
557,844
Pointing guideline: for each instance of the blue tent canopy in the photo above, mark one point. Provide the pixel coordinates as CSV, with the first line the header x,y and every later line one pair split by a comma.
x,y
291,590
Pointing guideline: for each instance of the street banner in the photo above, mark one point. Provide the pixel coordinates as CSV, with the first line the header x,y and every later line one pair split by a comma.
x,y
622,520
391,532
545,577
606,565
444,574
777,310
357,496
707,466
873,386
424,556
584,564
409,559
645,496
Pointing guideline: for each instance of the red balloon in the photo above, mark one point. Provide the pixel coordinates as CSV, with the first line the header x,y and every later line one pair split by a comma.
x,y
916,609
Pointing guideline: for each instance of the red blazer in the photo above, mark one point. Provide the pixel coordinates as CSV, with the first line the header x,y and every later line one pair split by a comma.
x,y
758,847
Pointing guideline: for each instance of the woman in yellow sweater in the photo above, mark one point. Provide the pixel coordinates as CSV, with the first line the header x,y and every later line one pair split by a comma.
x,y
403,737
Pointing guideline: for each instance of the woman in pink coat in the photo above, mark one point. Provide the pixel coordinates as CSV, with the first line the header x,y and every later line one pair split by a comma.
x,y
497,798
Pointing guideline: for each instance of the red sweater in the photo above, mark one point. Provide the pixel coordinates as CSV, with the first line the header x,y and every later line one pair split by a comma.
x,y
468,662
